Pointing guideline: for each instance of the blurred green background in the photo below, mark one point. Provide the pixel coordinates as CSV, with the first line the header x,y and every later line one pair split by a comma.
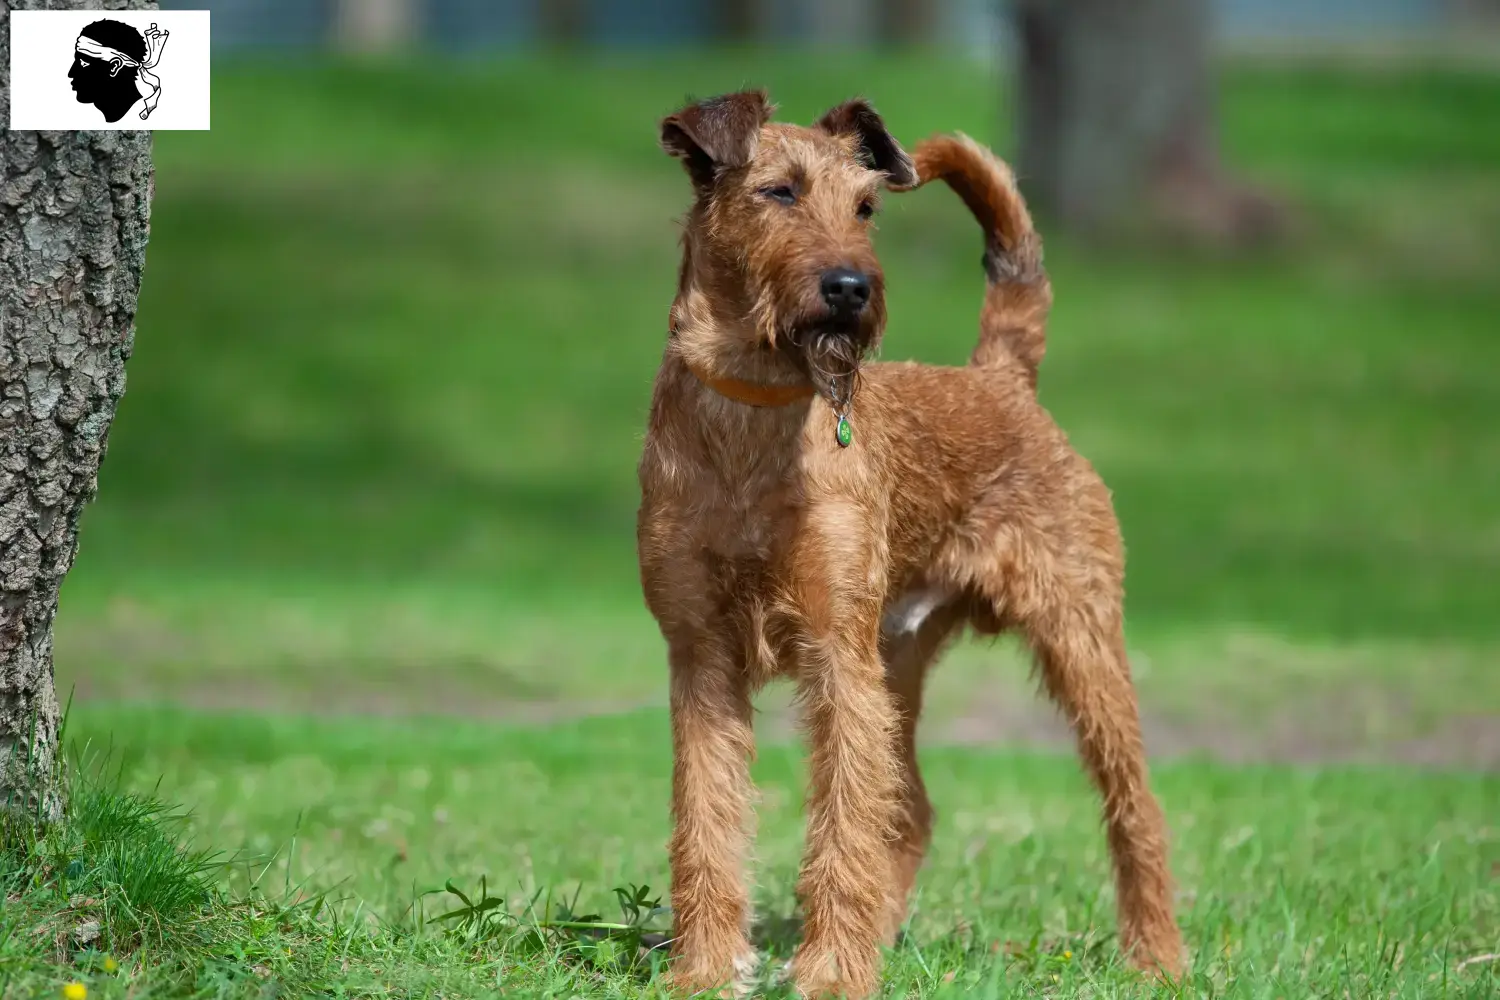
x,y
402,313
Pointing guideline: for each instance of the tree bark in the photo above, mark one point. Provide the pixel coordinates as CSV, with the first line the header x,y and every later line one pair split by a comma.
x,y
74,212
1117,104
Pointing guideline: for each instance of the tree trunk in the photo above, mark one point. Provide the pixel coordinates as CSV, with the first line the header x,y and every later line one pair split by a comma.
x,y
1117,116
74,210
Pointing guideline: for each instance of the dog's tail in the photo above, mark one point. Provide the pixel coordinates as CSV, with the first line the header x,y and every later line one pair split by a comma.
x,y
1013,322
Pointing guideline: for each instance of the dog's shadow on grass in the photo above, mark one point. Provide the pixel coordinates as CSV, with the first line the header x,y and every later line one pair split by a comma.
x,y
777,933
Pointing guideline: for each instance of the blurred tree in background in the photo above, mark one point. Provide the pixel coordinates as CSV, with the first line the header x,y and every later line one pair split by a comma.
x,y
1117,119
563,21
905,22
742,21
375,25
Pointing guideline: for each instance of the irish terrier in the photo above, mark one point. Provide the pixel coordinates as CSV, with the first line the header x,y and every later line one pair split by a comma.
x,y
807,515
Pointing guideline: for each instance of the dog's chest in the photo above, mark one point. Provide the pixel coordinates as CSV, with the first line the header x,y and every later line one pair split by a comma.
x,y
749,526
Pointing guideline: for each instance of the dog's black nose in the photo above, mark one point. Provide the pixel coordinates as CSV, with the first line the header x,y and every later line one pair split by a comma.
x,y
845,290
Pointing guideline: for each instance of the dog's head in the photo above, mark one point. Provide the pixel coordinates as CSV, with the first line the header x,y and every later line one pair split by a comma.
x,y
780,226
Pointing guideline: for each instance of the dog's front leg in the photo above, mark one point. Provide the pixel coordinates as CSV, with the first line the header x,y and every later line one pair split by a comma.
x,y
712,741
851,802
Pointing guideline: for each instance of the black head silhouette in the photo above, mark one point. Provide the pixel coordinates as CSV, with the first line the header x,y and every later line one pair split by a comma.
x,y
113,68
106,65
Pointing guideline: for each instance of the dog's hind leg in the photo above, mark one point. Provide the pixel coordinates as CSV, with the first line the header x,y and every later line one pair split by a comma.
x,y
1080,650
909,648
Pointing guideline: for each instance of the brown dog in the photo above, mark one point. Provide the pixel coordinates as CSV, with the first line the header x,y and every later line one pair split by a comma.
x,y
804,515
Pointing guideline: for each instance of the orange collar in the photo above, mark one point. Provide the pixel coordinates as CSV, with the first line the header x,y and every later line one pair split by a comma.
x,y
755,393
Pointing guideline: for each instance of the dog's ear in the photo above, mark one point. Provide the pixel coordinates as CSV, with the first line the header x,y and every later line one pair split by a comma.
x,y
878,150
721,132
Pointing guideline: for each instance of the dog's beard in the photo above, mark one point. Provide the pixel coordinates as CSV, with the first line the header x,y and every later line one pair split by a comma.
x,y
831,359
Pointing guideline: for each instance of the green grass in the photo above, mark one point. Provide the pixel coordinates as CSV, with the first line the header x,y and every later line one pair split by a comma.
x,y
377,456
1329,883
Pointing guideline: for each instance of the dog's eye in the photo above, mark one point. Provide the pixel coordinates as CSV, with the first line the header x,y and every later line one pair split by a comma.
x,y
865,210
782,193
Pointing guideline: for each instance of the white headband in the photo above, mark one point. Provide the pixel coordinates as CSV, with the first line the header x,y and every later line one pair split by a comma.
x,y
148,84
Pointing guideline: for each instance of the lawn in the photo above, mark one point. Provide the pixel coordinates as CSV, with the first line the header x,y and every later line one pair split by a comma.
x,y
1294,883
359,588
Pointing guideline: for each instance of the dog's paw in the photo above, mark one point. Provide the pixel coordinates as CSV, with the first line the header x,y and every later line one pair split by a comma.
x,y
740,981
1167,964
684,984
747,973
817,976
1157,951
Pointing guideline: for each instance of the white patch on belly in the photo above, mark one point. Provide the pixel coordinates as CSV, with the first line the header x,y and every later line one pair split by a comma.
x,y
906,613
